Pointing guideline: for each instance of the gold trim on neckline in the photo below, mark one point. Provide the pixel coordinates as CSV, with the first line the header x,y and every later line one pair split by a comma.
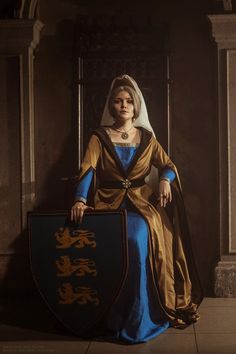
x,y
126,144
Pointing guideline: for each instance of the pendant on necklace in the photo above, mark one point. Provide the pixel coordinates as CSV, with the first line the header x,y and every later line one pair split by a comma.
x,y
124,136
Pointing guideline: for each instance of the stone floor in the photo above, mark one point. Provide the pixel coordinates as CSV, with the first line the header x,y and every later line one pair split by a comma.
x,y
23,330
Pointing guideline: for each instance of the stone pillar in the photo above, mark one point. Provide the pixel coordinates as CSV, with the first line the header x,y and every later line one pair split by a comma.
x,y
18,39
224,33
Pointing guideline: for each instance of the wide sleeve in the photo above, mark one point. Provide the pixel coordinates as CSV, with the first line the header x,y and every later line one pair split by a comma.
x,y
91,157
86,180
160,159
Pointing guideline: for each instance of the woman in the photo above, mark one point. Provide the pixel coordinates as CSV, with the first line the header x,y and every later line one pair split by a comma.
x,y
122,158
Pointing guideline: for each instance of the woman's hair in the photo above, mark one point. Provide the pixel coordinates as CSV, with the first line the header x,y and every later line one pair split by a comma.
x,y
135,97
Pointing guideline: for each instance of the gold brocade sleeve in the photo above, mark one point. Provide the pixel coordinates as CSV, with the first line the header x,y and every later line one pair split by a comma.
x,y
89,163
90,160
160,159
91,156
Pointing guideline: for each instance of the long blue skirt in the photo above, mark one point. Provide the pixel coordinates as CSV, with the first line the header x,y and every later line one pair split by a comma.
x,y
136,317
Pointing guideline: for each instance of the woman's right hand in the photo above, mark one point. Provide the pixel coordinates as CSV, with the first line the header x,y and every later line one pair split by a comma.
x,y
77,211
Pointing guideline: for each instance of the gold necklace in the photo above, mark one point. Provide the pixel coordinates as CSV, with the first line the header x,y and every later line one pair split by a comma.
x,y
124,134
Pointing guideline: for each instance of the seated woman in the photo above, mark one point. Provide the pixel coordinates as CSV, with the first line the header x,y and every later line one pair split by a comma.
x,y
122,158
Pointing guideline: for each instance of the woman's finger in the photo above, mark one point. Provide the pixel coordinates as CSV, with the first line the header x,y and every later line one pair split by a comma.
x,y
77,212
170,197
165,200
162,200
81,214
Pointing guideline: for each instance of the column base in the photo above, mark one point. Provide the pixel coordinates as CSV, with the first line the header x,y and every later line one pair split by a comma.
x,y
225,279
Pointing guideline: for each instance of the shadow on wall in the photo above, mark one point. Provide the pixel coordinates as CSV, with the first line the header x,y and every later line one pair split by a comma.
x,y
20,304
57,192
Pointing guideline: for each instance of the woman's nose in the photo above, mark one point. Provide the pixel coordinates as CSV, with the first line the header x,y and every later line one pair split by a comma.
x,y
123,103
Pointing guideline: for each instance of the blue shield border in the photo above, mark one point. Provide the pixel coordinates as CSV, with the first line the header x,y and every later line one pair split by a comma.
x,y
79,269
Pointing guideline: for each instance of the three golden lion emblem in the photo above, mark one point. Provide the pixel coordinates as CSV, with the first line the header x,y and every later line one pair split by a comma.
x,y
79,267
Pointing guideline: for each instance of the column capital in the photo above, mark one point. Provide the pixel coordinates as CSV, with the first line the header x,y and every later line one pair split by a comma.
x,y
224,30
16,35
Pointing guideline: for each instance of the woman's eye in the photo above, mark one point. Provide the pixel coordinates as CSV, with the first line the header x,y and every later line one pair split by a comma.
x,y
130,101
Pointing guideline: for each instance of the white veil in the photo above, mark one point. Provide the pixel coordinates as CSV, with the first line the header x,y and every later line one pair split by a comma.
x,y
141,121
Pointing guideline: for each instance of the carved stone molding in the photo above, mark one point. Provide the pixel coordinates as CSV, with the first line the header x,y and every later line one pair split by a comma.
x,y
224,33
19,38
223,30
17,35
28,9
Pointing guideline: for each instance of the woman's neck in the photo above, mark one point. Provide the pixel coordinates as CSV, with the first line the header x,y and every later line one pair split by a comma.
x,y
124,125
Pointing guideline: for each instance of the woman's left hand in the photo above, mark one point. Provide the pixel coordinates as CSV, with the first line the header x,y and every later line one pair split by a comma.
x,y
165,195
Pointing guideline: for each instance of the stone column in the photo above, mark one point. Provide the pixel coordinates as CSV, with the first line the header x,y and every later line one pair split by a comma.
x,y
18,39
224,33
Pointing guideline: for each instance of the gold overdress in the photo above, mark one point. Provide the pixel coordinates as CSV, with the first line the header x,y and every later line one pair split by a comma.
x,y
178,290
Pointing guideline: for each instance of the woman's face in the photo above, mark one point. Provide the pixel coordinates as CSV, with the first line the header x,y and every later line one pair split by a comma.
x,y
123,106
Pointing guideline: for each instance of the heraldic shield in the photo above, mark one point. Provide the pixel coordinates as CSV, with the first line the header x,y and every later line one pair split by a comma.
x,y
79,269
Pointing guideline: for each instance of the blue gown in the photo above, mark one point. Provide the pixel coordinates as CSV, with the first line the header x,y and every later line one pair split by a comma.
x,y
134,317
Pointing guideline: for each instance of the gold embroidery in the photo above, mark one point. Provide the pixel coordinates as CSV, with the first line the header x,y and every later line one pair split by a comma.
x,y
80,238
86,239
82,295
80,265
126,144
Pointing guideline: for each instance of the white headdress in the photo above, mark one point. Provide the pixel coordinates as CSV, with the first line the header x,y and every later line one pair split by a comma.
x,y
141,121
